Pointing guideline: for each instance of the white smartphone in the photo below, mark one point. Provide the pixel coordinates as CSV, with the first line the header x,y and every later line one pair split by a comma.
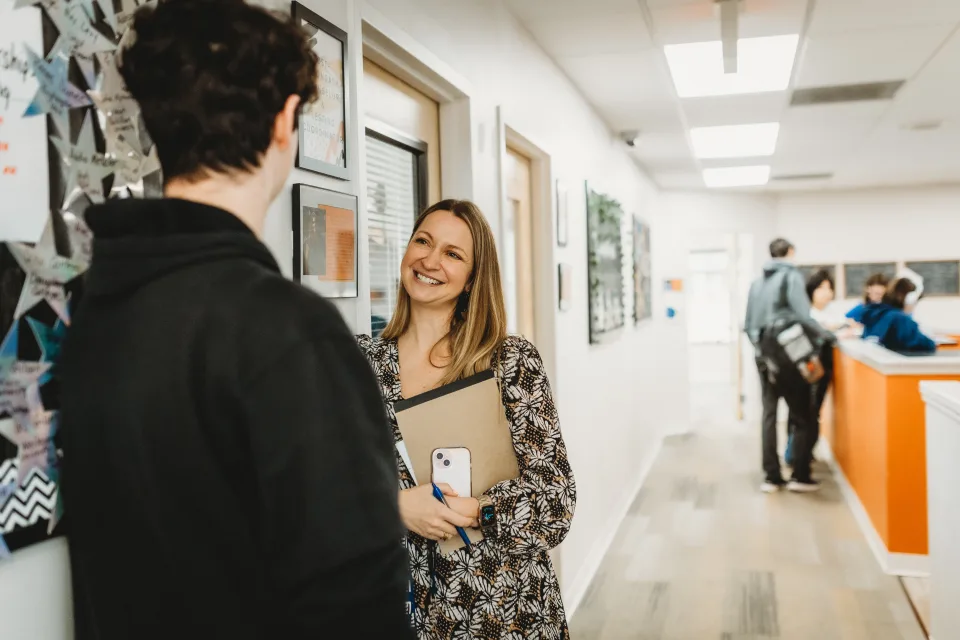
x,y
452,465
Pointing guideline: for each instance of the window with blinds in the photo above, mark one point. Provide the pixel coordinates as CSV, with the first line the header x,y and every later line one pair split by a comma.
x,y
393,200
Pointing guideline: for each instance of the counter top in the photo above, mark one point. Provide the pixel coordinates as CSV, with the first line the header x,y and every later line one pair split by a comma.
x,y
944,362
944,394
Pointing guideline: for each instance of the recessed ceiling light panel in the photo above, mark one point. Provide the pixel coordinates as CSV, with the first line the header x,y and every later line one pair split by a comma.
x,y
763,64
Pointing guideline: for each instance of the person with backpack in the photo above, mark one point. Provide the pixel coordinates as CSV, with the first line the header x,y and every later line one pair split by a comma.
x,y
787,341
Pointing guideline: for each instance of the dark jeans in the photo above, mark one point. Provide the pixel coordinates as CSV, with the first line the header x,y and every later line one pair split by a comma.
x,y
819,394
799,398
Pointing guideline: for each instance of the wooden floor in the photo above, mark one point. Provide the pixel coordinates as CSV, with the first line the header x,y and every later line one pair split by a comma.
x,y
703,554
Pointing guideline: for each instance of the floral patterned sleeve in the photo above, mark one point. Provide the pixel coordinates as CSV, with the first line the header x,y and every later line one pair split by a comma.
x,y
535,510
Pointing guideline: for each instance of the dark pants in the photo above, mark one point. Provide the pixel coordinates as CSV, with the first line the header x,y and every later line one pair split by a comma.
x,y
799,398
819,394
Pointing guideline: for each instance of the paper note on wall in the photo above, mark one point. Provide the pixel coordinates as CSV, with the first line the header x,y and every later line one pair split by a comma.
x,y
24,179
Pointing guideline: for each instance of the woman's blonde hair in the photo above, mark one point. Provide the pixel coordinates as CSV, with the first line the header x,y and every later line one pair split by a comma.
x,y
479,322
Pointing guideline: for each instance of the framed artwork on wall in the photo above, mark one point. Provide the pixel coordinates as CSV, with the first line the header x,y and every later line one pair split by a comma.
x,y
323,124
325,241
605,266
565,280
563,212
642,282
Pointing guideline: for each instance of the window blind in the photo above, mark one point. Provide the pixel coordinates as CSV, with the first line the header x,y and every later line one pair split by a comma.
x,y
391,211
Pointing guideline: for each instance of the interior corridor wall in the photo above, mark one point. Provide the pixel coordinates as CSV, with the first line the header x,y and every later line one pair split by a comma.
x,y
615,400
878,225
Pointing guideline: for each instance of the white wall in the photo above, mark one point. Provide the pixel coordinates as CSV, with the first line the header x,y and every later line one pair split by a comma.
x,y
878,226
615,400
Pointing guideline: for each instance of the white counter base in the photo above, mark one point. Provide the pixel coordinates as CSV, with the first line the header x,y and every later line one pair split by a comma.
x,y
943,504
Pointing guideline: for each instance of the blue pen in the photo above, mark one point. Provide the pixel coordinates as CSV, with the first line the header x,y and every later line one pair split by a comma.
x,y
439,496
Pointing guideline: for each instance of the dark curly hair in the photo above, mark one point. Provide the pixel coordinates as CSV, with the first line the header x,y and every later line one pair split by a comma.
x,y
211,77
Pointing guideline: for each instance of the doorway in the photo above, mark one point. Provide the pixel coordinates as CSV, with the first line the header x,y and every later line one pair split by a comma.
x,y
519,269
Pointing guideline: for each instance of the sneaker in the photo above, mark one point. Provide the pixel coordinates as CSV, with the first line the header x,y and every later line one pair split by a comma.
x,y
772,487
803,486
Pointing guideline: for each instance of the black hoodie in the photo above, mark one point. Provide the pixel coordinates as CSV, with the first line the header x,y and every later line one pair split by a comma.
x,y
228,469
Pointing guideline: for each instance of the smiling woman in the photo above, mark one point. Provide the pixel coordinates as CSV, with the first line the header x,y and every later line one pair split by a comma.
x,y
450,323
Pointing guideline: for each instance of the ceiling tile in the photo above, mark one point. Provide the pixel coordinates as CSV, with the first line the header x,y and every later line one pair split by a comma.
x,y
934,95
594,34
867,56
739,109
846,16
700,22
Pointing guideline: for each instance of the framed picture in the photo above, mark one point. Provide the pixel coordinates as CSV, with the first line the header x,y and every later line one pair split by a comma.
x,y
605,267
322,125
563,208
642,282
325,241
565,277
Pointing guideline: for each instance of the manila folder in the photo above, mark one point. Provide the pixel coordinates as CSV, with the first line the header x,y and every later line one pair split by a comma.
x,y
467,413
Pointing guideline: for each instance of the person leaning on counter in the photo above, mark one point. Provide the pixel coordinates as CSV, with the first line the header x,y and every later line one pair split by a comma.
x,y
891,323
873,291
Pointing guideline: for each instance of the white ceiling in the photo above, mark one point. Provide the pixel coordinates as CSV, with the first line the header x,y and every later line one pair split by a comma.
x,y
613,51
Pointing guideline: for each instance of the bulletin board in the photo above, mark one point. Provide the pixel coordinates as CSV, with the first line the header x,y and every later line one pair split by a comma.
x,y
807,270
855,275
70,136
941,278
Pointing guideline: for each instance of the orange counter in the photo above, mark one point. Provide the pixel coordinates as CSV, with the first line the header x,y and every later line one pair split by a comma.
x,y
876,432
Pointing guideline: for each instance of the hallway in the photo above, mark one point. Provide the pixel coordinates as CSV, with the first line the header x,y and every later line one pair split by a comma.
x,y
703,554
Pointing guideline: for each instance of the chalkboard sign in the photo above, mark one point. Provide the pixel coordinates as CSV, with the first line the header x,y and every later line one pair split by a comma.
x,y
809,269
939,278
855,276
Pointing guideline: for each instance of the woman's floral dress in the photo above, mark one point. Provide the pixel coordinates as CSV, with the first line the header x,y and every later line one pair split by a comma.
x,y
503,589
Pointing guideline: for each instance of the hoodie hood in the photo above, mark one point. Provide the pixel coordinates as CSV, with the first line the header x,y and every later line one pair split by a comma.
x,y
877,320
138,241
775,266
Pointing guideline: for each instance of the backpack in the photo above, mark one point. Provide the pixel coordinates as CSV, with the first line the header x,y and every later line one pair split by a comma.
x,y
788,347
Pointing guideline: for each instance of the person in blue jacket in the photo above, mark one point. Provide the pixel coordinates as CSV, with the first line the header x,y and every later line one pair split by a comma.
x,y
890,323
873,291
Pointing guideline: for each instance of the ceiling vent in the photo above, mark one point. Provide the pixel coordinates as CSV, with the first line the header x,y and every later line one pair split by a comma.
x,y
846,93
802,176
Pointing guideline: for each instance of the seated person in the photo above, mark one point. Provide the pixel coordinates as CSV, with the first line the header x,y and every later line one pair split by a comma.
x,y
873,292
890,322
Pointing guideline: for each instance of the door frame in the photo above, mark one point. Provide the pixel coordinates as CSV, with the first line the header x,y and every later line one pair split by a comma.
x,y
542,206
395,51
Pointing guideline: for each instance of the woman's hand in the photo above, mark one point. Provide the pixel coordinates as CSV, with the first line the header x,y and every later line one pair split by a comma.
x,y
469,507
428,517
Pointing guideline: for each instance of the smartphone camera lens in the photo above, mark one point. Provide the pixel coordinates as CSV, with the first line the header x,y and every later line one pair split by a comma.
x,y
439,456
446,463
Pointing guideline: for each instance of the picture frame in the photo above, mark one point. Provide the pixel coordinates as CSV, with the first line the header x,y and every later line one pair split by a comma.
x,y
642,272
605,258
323,125
563,214
565,286
325,241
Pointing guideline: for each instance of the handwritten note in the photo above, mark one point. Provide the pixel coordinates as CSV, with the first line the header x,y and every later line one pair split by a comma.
x,y
24,180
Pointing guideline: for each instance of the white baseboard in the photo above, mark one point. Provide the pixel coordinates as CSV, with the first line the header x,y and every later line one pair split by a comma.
x,y
895,564
574,594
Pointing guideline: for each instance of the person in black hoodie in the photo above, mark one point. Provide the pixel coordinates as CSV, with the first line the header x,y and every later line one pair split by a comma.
x,y
228,470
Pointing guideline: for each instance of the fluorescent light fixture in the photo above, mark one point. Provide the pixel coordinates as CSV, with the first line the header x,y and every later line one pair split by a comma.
x,y
719,177
763,64
735,141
